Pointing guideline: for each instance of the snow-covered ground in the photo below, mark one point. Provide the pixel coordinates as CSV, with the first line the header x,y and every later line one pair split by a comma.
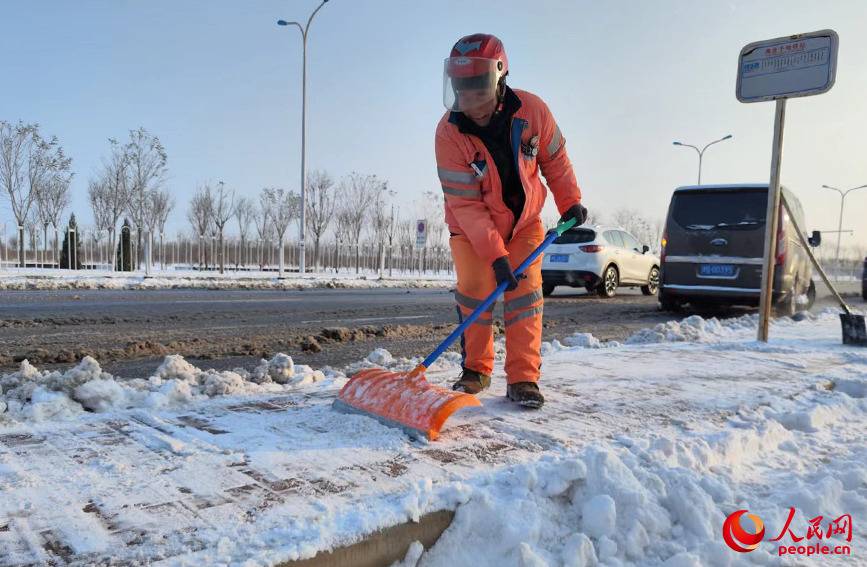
x,y
642,451
61,279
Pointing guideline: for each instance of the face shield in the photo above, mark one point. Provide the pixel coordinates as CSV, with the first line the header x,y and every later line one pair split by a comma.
x,y
470,82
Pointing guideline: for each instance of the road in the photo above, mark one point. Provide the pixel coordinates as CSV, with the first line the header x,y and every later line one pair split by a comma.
x,y
130,332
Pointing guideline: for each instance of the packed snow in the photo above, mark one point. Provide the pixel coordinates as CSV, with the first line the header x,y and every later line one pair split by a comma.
x,y
642,451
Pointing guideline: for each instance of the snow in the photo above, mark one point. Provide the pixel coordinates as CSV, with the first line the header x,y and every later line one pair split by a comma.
x,y
642,451
61,279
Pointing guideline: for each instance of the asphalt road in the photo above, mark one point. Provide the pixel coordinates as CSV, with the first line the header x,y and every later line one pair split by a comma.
x,y
130,332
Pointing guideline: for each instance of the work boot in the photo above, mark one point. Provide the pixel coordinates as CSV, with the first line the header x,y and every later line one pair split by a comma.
x,y
471,382
526,394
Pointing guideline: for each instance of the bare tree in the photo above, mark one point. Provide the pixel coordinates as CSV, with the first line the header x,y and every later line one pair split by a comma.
x,y
383,220
244,214
161,205
284,207
199,215
647,231
52,199
27,163
262,221
320,206
358,193
147,167
222,203
109,191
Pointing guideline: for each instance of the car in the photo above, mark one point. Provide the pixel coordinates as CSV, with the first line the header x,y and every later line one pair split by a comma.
x,y
864,281
599,258
712,249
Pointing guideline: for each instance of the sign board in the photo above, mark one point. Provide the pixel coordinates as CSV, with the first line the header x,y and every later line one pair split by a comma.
x,y
786,67
421,234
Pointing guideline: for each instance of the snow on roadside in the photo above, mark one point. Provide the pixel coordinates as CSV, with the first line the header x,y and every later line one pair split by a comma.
x,y
719,423
31,394
227,282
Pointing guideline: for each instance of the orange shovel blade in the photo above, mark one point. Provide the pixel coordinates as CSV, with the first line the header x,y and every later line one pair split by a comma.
x,y
404,400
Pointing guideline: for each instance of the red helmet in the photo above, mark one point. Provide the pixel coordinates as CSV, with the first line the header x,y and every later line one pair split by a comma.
x,y
477,62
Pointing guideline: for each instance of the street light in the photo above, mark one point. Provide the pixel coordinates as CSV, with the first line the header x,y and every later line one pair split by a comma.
x,y
701,152
840,224
304,31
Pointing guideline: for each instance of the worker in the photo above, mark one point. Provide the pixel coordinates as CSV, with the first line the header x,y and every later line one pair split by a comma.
x,y
491,145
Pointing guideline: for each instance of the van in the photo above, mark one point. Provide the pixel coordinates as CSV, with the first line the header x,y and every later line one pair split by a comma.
x,y
712,250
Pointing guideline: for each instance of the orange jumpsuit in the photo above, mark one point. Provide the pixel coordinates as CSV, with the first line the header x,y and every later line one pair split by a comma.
x,y
485,228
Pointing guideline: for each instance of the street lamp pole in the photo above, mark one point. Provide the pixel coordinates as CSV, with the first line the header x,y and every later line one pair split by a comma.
x,y
701,152
840,224
303,229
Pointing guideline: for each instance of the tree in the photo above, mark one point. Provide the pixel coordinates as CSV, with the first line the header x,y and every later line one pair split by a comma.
x,y
647,231
147,166
109,191
161,206
199,215
53,198
262,221
383,223
27,163
221,208
244,213
283,207
358,193
320,207
124,247
71,251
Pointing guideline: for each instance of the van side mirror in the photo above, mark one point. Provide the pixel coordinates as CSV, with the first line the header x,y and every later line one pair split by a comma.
x,y
816,239
644,249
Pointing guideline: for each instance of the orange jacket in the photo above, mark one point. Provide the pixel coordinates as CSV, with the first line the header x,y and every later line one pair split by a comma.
x,y
473,192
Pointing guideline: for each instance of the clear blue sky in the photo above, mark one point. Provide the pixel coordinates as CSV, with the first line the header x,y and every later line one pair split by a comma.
x,y
220,83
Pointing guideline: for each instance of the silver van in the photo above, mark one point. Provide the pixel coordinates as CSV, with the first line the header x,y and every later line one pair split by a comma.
x,y
712,250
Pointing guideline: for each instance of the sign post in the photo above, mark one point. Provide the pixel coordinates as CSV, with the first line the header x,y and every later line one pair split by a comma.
x,y
779,69
420,242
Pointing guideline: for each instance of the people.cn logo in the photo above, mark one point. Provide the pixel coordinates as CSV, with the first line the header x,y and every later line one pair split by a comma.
x,y
737,538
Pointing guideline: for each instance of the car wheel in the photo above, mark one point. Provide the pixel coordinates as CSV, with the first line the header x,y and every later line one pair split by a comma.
x,y
670,305
547,289
789,306
811,296
610,280
652,282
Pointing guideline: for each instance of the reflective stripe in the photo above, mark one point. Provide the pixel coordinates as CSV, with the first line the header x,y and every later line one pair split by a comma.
x,y
471,303
525,314
459,177
555,141
470,193
523,301
484,322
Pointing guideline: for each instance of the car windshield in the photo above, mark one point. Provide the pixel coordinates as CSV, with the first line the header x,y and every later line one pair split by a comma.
x,y
708,210
579,236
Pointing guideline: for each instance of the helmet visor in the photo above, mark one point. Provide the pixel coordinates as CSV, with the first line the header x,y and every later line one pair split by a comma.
x,y
470,82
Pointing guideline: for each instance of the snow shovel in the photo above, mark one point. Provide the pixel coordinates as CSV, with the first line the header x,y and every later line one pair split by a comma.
x,y
854,328
406,400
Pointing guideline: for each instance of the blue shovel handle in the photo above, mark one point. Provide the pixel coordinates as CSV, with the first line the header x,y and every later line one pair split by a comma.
x,y
561,228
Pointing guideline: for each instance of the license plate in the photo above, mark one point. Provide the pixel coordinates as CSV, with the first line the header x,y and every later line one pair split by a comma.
x,y
716,270
559,257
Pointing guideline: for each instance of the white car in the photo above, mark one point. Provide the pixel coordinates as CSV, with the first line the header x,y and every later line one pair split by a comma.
x,y
600,258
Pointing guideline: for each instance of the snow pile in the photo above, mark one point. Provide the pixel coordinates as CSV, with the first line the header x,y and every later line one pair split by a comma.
x,y
659,501
694,329
31,394
582,340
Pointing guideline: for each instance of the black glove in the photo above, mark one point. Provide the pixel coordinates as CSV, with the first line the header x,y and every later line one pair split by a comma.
x,y
503,273
577,212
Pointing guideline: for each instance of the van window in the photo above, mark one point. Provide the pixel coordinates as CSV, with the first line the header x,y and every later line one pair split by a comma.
x,y
613,237
580,236
705,210
630,242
